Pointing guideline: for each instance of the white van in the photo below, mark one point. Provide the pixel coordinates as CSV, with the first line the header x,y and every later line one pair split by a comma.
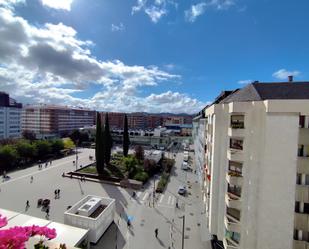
x,y
184,165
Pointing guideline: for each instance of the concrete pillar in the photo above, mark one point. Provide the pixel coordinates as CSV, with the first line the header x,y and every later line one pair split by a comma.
x,y
306,122
303,179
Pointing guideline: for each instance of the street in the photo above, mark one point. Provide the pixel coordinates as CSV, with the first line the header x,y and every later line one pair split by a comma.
x,y
145,218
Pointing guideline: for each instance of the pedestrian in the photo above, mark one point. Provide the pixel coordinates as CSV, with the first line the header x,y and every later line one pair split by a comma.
x,y
58,192
50,162
31,179
47,213
27,204
156,232
128,223
55,192
46,164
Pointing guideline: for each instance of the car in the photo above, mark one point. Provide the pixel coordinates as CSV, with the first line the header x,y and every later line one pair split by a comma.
x,y
182,190
184,165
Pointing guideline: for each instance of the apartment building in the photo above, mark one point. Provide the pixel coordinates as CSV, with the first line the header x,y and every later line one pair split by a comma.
x,y
53,120
257,166
10,117
198,135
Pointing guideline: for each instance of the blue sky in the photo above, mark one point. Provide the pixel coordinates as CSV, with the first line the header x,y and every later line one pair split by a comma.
x,y
147,55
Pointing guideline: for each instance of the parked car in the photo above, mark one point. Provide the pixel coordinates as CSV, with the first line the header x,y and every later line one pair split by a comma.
x,y
182,190
184,165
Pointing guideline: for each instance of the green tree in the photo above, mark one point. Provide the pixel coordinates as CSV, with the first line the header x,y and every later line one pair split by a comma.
x,y
43,148
68,143
8,157
25,150
99,149
126,139
130,164
108,141
57,145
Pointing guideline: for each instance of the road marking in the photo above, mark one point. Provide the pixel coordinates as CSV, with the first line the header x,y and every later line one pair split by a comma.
x,y
169,199
161,198
173,201
145,196
165,206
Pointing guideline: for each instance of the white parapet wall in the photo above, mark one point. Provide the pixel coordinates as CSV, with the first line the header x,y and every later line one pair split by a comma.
x,y
98,225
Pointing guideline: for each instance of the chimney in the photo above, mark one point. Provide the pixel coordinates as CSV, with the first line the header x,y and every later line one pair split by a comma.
x,y
290,78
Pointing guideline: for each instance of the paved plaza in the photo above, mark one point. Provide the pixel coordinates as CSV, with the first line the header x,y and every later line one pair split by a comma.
x,y
146,218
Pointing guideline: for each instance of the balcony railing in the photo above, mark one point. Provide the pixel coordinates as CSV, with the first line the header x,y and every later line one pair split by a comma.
x,y
237,125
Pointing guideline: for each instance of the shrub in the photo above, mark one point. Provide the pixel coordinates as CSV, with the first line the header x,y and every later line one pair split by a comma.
x,y
141,176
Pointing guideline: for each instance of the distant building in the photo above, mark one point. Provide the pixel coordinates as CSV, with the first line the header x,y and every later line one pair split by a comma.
x,y
54,120
10,117
143,121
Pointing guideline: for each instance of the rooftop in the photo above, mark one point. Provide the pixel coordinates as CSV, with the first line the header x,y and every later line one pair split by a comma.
x,y
263,91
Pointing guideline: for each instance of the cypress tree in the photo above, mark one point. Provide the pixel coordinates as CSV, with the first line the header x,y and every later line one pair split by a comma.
x,y
108,141
126,140
99,146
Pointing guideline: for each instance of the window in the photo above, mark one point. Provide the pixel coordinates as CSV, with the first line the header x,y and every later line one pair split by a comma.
x,y
237,121
301,121
236,144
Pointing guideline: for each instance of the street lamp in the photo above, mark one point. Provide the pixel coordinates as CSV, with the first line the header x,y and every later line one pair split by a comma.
x,y
76,156
154,191
183,232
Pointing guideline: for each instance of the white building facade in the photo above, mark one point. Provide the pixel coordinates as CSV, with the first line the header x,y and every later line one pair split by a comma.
x,y
10,117
257,166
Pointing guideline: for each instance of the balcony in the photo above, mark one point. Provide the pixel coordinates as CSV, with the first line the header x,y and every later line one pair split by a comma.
x,y
235,155
303,165
232,201
230,244
234,178
302,193
232,223
301,222
299,244
303,135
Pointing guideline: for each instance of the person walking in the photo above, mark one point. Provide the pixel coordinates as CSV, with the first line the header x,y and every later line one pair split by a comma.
x,y
156,232
31,179
27,204
47,212
55,192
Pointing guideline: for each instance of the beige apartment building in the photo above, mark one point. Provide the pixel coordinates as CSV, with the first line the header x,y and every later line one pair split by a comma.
x,y
257,166
52,120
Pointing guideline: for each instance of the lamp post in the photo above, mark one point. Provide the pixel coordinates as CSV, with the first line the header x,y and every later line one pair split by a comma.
x,y
183,232
154,191
76,156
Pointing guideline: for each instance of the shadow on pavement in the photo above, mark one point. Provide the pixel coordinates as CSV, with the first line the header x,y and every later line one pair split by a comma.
x,y
161,242
112,238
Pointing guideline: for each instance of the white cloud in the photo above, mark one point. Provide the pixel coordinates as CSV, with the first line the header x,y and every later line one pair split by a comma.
x,y
155,13
58,4
180,102
50,64
116,27
283,74
155,9
195,11
245,81
199,9
11,3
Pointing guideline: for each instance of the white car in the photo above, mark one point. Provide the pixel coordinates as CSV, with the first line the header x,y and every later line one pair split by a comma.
x,y
182,190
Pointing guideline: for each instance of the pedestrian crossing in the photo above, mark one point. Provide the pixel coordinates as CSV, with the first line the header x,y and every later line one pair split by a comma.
x,y
164,200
